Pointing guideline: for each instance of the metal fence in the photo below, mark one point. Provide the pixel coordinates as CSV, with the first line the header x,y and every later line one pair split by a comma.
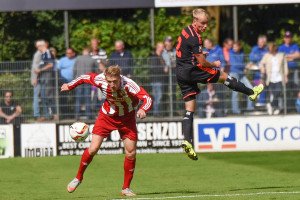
x,y
158,80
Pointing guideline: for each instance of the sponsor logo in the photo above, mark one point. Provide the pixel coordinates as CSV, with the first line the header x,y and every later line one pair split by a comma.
x,y
216,136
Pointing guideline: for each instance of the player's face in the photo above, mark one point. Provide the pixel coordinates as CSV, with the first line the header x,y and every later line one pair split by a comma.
x,y
114,82
201,22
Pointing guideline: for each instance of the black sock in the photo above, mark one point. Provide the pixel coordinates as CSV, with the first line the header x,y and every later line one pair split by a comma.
x,y
238,86
187,126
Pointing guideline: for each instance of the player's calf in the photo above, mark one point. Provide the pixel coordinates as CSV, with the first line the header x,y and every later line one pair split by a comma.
x,y
238,86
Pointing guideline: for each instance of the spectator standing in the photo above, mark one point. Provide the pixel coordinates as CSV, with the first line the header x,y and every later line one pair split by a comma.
x,y
169,56
275,70
45,77
227,46
65,69
37,58
256,54
292,53
237,70
10,110
259,50
215,53
123,58
159,76
97,53
84,64
66,66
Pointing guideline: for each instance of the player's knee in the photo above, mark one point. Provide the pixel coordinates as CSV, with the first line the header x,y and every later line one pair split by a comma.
x,y
190,98
130,153
231,82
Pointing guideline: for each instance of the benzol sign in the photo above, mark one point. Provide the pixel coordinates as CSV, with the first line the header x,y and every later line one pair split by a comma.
x,y
247,134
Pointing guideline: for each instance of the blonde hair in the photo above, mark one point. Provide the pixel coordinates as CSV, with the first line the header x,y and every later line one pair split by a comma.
x,y
113,70
199,11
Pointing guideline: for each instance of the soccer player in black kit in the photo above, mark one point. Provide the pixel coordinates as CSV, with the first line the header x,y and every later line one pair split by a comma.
x,y
192,68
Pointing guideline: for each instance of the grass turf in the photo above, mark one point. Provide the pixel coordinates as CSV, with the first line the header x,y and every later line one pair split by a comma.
x,y
156,175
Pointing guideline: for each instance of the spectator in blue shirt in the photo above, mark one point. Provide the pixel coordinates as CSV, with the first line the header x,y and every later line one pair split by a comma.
x,y
214,53
237,70
66,66
123,58
257,53
259,50
292,53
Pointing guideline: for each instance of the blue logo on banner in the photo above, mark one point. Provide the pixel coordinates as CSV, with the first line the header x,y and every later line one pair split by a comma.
x,y
216,136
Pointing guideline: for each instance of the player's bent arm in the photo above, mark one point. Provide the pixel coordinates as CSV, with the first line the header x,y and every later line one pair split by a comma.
x,y
146,99
86,78
202,60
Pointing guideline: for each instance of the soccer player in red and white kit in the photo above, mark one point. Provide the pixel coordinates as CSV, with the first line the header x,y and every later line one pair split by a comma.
x,y
117,113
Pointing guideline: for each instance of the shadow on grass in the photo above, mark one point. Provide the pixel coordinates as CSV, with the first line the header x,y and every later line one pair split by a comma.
x,y
263,188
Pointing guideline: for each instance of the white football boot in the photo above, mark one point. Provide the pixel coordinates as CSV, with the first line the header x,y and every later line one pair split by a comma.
x,y
128,192
73,185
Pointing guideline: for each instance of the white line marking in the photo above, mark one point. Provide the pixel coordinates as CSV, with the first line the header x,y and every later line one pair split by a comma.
x,y
213,195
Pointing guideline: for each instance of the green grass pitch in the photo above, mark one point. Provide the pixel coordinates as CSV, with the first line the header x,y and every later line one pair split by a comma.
x,y
255,175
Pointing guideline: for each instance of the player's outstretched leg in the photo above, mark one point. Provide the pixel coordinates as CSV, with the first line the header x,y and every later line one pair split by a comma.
x,y
86,159
187,129
238,86
129,166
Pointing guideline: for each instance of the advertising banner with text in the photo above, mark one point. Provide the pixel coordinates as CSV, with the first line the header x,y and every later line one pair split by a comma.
x,y
247,134
153,137
38,140
6,141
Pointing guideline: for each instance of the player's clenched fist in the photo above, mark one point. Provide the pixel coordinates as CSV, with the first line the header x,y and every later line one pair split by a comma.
x,y
64,87
141,114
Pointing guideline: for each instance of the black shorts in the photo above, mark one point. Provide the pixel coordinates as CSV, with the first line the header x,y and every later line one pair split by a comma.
x,y
188,79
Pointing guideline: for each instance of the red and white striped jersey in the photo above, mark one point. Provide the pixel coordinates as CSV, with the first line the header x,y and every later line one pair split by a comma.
x,y
118,103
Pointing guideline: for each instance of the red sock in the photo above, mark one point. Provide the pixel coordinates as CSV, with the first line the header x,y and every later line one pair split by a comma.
x,y
128,172
86,158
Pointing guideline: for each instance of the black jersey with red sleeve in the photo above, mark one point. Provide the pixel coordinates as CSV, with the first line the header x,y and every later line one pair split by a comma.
x,y
189,43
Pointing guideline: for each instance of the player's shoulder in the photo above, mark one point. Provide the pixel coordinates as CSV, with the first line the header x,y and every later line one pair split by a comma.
x,y
99,78
188,32
130,84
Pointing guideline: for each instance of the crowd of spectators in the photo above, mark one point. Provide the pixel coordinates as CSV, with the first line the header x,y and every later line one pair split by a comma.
x,y
276,67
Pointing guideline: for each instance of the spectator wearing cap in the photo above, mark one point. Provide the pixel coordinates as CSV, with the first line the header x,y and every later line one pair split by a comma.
x,y
291,51
97,53
123,58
